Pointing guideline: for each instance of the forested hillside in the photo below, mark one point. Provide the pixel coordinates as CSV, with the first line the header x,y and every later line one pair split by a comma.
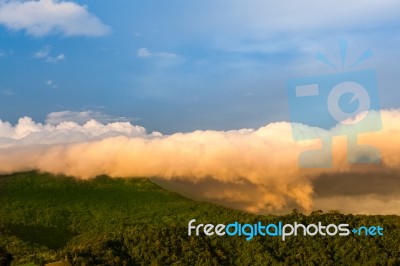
x,y
46,218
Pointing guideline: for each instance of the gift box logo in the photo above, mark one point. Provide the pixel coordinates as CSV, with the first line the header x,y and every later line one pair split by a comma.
x,y
344,103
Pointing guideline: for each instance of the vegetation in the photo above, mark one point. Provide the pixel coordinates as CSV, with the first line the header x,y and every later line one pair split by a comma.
x,y
46,218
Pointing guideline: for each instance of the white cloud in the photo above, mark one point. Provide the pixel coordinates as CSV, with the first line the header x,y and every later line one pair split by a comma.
x,y
81,117
27,132
145,53
45,17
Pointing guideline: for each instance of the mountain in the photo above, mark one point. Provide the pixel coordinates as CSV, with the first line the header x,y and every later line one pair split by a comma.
x,y
113,221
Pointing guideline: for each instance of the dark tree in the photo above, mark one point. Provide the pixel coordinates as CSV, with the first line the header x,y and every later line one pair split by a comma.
x,y
5,257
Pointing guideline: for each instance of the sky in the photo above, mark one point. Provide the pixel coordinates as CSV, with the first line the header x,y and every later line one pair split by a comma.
x,y
196,95
178,66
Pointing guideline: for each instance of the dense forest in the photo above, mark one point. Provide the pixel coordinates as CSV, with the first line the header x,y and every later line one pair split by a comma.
x,y
46,218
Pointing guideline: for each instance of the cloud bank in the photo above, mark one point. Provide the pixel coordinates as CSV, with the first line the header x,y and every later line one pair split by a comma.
x,y
45,17
252,169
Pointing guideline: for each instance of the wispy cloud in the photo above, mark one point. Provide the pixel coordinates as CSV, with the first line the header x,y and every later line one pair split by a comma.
x,y
44,53
266,17
55,59
146,53
51,84
45,17
5,53
143,52
8,92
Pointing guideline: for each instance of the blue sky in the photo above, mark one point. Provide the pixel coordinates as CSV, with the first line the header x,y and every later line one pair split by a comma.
x,y
183,65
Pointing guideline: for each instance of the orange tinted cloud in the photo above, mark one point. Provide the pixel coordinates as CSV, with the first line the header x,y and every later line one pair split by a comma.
x,y
255,170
